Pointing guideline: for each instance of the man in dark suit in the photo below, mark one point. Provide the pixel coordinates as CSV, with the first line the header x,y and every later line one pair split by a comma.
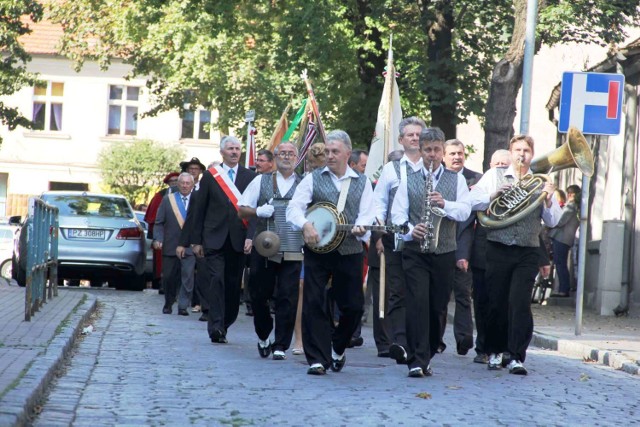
x,y
177,272
220,236
462,320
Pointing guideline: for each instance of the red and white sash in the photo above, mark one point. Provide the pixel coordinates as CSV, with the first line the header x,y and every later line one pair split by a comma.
x,y
229,188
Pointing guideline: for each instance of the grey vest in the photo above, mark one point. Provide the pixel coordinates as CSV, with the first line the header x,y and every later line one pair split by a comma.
x,y
448,187
325,191
394,190
266,194
525,232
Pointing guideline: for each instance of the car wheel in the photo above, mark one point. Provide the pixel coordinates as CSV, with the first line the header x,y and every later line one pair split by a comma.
x,y
6,269
96,283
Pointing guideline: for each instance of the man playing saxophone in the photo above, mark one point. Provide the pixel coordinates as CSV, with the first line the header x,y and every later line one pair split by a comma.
x,y
431,201
512,257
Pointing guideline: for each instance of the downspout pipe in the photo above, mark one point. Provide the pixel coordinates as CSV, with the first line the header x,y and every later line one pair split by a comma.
x,y
631,129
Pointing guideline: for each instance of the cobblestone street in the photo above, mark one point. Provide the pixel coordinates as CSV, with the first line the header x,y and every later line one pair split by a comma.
x,y
140,367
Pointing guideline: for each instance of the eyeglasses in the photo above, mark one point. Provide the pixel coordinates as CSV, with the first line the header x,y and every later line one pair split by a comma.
x,y
285,154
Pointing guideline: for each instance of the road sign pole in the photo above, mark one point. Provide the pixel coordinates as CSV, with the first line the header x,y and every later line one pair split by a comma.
x,y
582,244
527,68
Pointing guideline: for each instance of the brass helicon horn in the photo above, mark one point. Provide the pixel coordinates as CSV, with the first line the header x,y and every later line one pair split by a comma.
x,y
518,202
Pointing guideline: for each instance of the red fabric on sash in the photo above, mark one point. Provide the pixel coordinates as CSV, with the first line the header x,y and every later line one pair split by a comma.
x,y
232,197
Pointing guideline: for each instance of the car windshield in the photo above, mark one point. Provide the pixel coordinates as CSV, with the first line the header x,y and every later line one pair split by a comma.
x,y
82,205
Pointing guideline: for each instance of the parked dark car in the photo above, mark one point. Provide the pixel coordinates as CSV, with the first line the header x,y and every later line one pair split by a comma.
x,y
100,239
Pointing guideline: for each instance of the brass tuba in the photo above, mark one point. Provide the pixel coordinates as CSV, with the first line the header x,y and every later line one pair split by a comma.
x,y
518,201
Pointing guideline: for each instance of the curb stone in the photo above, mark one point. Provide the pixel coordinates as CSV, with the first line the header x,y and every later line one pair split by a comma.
x,y
571,348
18,404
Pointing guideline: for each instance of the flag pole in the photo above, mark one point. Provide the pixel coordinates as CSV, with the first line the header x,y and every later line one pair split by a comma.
x,y
391,72
314,104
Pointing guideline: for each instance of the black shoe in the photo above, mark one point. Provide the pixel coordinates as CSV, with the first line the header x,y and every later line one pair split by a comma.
x,y
218,337
204,317
383,354
441,348
166,309
416,373
264,351
182,312
462,349
428,372
481,358
398,353
560,294
279,355
338,364
356,342
160,291
316,370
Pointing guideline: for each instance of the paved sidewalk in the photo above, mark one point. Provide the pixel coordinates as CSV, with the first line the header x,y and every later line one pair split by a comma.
x,y
608,340
30,352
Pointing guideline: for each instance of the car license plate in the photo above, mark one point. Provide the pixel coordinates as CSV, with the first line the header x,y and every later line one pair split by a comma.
x,y
85,233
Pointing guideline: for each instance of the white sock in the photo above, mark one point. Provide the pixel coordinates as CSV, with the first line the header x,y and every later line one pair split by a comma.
x,y
336,355
265,343
317,365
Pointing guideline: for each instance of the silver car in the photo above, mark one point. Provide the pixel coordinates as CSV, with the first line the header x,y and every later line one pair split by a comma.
x,y
100,240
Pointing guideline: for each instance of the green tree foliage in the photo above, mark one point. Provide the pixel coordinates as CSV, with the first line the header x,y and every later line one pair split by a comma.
x,y
13,72
236,55
240,55
136,169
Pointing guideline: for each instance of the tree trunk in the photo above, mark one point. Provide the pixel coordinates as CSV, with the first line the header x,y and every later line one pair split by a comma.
x,y
370,68
441,87
505,84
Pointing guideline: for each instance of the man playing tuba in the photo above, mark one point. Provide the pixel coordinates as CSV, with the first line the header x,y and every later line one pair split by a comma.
x,y
512,257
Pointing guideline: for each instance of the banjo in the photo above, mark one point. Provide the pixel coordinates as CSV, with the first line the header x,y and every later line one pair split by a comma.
x,y
332,227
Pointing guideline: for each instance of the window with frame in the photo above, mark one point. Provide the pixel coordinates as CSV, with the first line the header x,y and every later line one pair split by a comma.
x,y
196,125
47,106
123,110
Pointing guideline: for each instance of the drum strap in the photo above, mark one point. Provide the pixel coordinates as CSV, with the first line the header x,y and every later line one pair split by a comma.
x,y
344,191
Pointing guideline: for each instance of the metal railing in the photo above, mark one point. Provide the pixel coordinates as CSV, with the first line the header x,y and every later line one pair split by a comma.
x,y
42,255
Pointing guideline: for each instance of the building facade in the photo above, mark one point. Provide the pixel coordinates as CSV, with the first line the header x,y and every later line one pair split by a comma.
x,y
76,115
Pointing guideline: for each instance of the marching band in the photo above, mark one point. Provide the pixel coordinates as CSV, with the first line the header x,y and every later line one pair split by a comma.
x,y
314,228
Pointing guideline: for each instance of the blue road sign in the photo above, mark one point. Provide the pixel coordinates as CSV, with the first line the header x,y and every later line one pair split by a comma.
x,y
592,102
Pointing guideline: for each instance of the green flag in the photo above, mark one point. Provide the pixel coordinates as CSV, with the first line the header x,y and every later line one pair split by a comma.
x,y
295,122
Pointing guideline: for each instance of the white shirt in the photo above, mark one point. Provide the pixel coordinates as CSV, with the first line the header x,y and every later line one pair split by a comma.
x,y
235,171
252,192
186,199
480,196
389,180
298,205
458,210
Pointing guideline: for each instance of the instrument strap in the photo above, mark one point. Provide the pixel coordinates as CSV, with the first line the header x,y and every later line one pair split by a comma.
x,y
344,191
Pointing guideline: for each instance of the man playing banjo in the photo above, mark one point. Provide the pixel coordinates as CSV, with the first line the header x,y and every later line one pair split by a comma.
x,y
351,195
259,199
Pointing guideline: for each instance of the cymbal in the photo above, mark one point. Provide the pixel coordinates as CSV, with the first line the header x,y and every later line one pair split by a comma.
x,y
267,243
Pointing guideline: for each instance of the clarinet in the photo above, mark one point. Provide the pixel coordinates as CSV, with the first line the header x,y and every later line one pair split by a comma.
x,y
431,216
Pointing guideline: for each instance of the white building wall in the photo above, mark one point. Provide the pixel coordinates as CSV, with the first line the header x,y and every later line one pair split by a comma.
x,y
34,158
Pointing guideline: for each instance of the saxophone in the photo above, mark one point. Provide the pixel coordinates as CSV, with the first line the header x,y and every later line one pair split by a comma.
x,y
431,216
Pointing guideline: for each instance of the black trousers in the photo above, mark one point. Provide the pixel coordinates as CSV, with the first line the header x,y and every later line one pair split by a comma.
x,y
511,272
396,291
462,317
480,301
381,327
201,284
224,268
429,279
345,272
264,275
171,280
